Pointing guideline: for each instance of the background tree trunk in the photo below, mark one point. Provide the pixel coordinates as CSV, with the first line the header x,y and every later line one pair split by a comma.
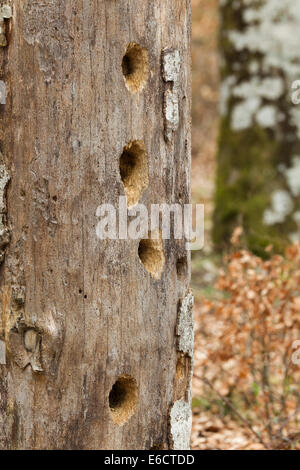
x,y
90,347
259,148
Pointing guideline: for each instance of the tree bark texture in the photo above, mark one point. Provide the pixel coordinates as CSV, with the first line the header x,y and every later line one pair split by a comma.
x,y
95,339
259,147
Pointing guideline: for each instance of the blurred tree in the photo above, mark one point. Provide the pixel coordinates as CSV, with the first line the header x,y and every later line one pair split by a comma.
x,y
258,179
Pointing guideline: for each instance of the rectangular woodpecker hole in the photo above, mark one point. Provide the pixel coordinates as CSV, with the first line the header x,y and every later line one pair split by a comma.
x,y
123,399
134,171
2,353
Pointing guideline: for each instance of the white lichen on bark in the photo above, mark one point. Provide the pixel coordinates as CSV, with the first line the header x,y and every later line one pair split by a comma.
x,y
171,113
261,64
181,425
4,232
181,412
185,326
2,353
5,14
171,65
281,206
271,31
170,73
2,92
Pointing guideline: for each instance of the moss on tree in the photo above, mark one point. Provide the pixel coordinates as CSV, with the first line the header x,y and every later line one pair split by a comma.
x,y
251,158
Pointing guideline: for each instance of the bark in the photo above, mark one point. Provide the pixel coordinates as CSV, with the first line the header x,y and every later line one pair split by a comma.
x,y
90,336
259,146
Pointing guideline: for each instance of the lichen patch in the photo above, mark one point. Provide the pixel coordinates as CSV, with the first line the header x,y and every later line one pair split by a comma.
x,y
181,425
4,232
171,65
170,74
171,112
5,15
2,353
185,325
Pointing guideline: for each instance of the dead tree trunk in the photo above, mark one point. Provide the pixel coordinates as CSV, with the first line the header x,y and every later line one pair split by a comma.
x,y
95,335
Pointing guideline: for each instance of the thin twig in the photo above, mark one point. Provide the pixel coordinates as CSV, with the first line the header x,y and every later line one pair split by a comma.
x,y
231,406
286,421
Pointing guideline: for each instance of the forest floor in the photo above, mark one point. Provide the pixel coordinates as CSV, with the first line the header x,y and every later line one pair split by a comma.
x,y
209,430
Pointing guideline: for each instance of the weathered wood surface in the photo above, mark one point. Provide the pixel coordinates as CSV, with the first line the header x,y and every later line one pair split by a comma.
x,y
77,312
